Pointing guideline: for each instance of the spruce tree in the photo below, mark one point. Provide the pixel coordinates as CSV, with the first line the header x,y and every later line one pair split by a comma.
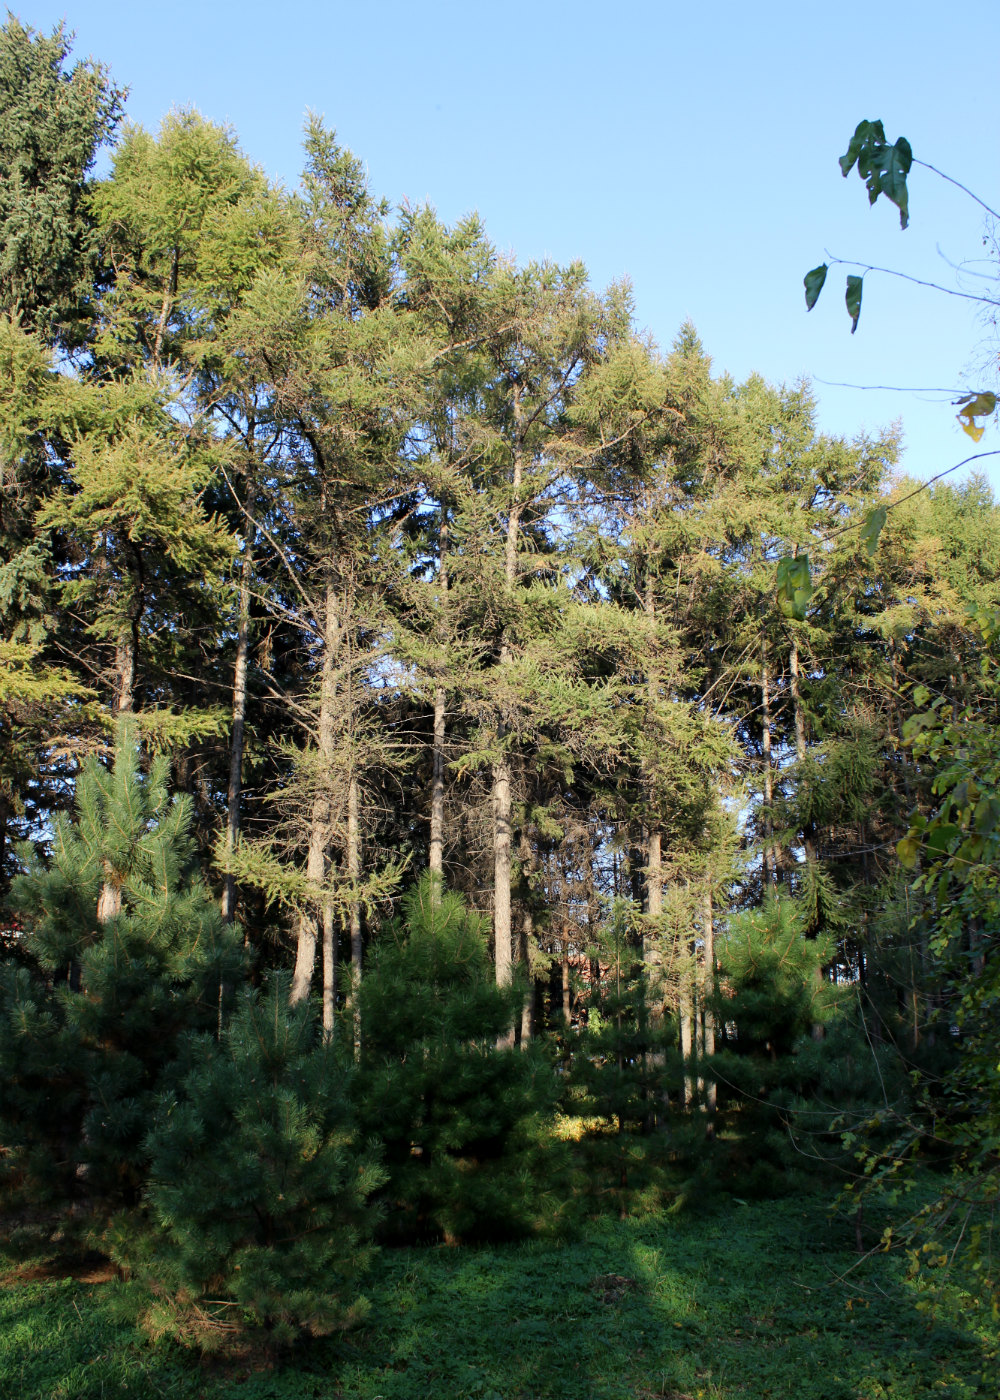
x,y
52,122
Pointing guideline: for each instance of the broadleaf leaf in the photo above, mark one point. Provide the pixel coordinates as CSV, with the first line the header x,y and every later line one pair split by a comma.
x,y
872,528
853,299
813,282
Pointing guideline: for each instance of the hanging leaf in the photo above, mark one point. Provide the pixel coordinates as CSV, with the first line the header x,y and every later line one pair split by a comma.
x,y
865,133
794,585
872,528
884,168
853,299
908,849
975,406
813,282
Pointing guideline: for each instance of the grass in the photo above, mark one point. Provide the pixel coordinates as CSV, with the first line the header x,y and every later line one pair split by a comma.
x,y
747,1301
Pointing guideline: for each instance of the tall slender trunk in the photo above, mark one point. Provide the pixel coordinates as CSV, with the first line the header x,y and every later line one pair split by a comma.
x,y
529,861
125,672
654,874
800,754
686,1017
329,970
306,925
567,996
235,789
528,1008
109,901
709,1091
654,840
503,950
354,875
799,717
169,297
319,825
501,871
436,853
770,850
800,732
686,1013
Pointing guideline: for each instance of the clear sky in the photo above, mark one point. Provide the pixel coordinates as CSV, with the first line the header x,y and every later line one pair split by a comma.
x,y
692,148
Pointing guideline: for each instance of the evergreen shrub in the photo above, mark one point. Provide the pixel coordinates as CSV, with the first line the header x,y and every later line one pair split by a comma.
x,y
122,952
257,1207
463,1115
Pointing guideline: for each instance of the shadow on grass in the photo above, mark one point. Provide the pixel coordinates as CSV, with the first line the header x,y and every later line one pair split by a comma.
x,y
741,1303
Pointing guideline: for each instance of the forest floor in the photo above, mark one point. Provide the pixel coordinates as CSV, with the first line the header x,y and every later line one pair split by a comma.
x,y
742,1302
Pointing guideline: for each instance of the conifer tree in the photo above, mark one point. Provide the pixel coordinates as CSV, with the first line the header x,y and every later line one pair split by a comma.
x,y
53,120
455,1112
258,1223
122,951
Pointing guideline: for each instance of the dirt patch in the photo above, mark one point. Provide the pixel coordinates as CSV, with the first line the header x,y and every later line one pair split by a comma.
x,y
612,1288
81,1268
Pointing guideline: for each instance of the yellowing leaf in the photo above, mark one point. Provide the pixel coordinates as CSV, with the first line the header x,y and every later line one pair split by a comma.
x,y
975,406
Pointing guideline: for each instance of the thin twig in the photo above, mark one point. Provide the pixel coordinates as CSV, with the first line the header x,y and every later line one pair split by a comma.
x,y
906,277
958,184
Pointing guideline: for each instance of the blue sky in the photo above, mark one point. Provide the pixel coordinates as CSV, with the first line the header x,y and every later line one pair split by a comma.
x,y
692,149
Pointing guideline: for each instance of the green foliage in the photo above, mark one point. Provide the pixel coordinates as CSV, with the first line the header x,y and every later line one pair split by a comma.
x,y
852,299
955,849
772,997
122,951
456,1106
622,1067
814,282
52,122
625,1058
794,585
257,1187
771,988
883,168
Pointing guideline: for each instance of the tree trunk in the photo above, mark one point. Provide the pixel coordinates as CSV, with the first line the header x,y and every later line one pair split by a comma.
x,y
567,998
329,971
125,667
687,1040
501,870
709,1090
169,297
654,886
436,854
235,790
800,719
770,851
109,901
800,754
354,875
503,950
527,1010
319,823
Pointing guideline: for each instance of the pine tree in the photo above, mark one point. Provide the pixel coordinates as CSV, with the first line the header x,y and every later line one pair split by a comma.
x,y
122,951
258,1186
456,1113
